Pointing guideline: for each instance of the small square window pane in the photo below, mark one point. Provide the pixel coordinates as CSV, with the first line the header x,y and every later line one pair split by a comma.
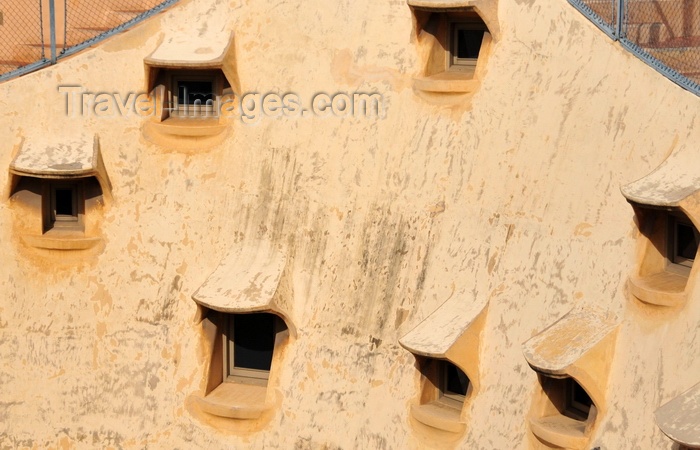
x,y
580,396
686,242
468,43
64,202
189,92
456,380
253,341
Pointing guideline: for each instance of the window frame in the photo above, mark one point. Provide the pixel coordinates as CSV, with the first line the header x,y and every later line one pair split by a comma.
x,y
674,260
234,374
55,221
445,396
572,408
187,111
455,63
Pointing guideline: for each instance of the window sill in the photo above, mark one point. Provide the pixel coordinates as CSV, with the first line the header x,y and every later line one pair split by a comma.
x,y
561,431
438,415
61,240
236,401
186,133
189,126
447,82
663,288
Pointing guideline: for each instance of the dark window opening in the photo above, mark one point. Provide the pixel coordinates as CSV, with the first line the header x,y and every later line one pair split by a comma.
x,y
578,402
64,202
468,43
686,243
456,381
195,92
253,341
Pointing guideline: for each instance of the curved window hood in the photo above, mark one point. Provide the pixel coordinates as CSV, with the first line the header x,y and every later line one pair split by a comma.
x,y
50,157
212,56
679,419
580,345
249,279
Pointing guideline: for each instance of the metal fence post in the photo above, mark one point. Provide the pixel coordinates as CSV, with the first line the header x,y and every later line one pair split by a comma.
x,y
620,12
52,26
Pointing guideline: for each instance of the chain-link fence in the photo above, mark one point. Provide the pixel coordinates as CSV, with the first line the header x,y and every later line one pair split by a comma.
x,y
668,30
664,33
35,33
21,34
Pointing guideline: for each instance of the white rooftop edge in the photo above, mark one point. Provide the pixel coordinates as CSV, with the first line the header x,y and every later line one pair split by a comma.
x,y
434,336
674,180
245,281
559,346
679,419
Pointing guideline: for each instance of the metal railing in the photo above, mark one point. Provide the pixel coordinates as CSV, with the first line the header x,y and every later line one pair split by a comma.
x,y
37,33
663,33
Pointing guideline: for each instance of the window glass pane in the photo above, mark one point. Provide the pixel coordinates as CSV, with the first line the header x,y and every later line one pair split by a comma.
x,y
580,396
64,202
191,91
457,381
686,243
469,43
253,340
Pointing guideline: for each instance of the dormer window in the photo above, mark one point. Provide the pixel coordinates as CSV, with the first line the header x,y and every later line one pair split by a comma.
x,y
193,81
244,309
454,38
572,358
446,348
666,210
55,184
669,241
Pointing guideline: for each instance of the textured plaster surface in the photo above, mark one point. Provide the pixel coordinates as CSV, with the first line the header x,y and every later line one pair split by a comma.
x,y
515,200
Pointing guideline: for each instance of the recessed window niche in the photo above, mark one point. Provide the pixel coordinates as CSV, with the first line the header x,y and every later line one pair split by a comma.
x,y
446,348
244,309
666,211
58,187
572,359
454,39
193,82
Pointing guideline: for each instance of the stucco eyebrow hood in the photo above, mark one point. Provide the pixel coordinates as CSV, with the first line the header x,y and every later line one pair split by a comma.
x,y
54,158
679,419
213,50
446,326
557,348
674,180
249,279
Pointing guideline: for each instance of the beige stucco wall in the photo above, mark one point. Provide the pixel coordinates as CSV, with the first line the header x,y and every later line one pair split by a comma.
x,y
515,200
